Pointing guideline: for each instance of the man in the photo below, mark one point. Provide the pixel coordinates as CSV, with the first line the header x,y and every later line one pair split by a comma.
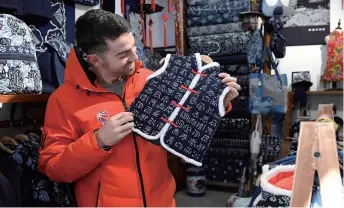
x,y
87,134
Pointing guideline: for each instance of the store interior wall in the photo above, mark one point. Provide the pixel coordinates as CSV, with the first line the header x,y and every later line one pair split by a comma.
x,y
298,58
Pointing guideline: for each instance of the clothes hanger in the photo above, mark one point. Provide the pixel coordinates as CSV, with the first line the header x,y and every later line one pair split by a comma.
x,y
2,147
214,52
8,140
21,137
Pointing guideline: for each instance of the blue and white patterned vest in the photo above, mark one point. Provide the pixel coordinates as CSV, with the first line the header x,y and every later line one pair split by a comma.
x,y
180,106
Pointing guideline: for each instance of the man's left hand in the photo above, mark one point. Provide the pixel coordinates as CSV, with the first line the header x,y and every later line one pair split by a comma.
x,y
234,87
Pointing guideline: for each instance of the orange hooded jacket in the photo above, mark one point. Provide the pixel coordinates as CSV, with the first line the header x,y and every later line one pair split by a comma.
x,y
134,172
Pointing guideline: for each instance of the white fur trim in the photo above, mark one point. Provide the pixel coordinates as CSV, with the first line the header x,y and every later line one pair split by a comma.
x,y
162,69
268,187
258,198
222,97
265,168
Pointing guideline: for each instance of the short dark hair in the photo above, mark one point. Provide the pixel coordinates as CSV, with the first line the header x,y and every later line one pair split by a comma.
x,y
96,26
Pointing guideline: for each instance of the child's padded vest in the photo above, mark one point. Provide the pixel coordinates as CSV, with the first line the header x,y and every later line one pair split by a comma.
x,y
180,106
19,72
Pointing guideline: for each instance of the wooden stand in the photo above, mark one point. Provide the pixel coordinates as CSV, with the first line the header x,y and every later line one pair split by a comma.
x,y
317,151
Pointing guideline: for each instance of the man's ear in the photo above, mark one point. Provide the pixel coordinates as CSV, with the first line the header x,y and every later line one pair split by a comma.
x,y
95,60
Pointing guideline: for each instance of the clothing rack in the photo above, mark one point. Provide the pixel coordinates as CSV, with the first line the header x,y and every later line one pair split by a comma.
x,y
317,152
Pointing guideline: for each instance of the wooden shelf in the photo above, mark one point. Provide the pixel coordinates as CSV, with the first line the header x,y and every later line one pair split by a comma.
x,y
24,98
322,92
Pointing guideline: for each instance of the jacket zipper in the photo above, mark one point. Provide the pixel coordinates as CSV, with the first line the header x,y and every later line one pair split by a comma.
x,y
137,154
98,194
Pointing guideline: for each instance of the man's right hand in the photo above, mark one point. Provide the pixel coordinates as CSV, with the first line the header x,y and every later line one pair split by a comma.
x,y
115,129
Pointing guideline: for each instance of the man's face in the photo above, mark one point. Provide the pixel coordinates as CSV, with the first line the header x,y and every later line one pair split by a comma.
x,y
119,59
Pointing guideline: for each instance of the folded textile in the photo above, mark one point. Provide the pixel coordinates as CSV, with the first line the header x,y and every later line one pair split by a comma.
x,y
214,18
230,44
224,170
230,143
239,123
204,2
180,106
214,29
228,60
239,69
234,6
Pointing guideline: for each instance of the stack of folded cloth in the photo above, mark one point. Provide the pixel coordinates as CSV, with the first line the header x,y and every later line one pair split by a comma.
x,y
214,26
216,21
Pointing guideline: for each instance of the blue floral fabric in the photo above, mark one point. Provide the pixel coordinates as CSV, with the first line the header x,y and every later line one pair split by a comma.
x,y
235,6
214,29
230,43
255,48
213,19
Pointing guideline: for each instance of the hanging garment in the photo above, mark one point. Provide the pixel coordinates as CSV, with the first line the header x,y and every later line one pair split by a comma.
x,y
52,64
255,48
335,51
27,9
43,192
53,42
230,43
7,197
180,106
214,29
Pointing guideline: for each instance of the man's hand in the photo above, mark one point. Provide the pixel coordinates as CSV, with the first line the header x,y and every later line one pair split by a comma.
x,y
234,88
115,129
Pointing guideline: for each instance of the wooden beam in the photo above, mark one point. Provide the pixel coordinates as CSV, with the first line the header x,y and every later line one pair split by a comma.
x,y
24,98
317,151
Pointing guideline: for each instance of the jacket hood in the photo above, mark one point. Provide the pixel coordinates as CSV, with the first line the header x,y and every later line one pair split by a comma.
x,y
78,74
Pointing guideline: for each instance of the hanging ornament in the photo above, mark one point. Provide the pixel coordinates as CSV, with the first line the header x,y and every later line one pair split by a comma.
x,y
169,6
123,6
150,35
153,5
144,10
165,18
143,29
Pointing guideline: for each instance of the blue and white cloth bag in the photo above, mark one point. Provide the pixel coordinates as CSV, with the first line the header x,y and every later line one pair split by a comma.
x,y
268,93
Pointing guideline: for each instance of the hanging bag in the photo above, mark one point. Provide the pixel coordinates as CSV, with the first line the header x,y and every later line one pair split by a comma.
x,y
278,44
268,93
256,138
